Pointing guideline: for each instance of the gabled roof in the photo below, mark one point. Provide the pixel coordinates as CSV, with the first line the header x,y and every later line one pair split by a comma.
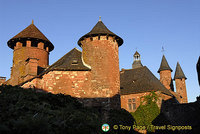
x,y
30,32
179,72
66,63
100,29
72,61
140,80
164,65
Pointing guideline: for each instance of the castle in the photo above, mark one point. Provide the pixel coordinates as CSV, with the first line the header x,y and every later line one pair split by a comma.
x,y
93,75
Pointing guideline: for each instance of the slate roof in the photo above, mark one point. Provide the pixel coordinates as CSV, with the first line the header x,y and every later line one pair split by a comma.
x,y
179,72
100,29
140,80
136,53
137,64
164,65
72,61
66,63
31,32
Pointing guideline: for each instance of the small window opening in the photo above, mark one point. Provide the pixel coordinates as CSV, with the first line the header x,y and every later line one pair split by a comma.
x,y
74,62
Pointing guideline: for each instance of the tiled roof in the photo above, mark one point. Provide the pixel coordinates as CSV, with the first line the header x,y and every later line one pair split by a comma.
x,y
140,80
100,29
179,72
164,65
31,32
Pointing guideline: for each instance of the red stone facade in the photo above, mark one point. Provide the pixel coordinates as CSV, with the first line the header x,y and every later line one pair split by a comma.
x,y
2,80
20,55
166,78
102,81
101,53
131,102
181,90
74,83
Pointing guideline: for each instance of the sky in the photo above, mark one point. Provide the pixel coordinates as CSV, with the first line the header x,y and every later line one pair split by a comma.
x,y
144,25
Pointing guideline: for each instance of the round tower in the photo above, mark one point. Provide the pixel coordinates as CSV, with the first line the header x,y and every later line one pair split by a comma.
x,y
165,74
180,78
100,51
30,55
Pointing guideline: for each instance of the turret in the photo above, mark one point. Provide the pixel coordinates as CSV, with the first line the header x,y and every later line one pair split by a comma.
x,y
100,51
30,46
165,74
180,78
137,61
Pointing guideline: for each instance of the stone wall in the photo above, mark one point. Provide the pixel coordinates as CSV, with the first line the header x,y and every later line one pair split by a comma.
x,y
125,100
181,90
101,53
165,78
20,54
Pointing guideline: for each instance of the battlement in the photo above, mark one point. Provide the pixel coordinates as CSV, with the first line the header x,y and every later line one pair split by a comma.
x,y
29,44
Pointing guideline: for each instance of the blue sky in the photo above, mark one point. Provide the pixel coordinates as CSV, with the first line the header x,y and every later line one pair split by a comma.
x,y
143,24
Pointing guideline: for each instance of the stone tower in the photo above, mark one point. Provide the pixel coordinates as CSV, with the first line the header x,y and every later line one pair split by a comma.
x,y
180,78
137,61
30,55
100,51
165,74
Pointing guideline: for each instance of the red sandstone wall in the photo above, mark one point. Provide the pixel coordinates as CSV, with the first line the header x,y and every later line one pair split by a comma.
x,y
74,83
125,98
2,80
102,55
181,90
20,54
165,78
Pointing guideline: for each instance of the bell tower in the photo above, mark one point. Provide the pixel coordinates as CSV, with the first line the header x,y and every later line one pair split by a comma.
x,y
137,61
30,54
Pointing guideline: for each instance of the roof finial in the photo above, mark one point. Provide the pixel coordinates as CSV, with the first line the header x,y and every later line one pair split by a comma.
x,y
32,21
99,18
163,50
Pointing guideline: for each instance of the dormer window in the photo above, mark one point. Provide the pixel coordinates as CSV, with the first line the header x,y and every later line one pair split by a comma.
x,y
74,62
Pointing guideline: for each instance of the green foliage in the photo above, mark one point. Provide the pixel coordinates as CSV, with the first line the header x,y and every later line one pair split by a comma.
x,y
147,111
28,111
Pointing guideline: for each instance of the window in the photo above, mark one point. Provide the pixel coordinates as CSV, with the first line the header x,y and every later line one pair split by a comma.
x,y
74,62
132,104
129,106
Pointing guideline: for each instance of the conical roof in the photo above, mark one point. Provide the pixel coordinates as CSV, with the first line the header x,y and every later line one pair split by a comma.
x,y
164,65
179,72
31,32
100,29
136,53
